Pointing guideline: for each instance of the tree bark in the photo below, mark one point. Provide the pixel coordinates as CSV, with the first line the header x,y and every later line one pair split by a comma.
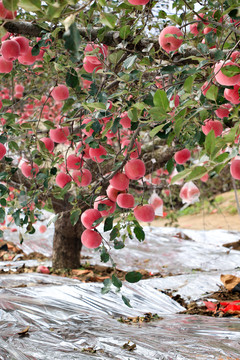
x,y
67,242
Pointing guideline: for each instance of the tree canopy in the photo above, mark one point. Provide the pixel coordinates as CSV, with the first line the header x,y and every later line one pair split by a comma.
x,y
106,104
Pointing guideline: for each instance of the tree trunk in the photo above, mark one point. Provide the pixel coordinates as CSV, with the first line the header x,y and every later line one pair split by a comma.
x,y
67,242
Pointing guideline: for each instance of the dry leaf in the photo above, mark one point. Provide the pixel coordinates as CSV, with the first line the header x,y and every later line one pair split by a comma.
x,y
24,332
230,281
77,272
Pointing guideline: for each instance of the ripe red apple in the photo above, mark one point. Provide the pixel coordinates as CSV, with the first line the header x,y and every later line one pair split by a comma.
x,y
235,169
5,66
3,11
90,65
10,50
125,201
224,79
144,213
91,239
95,154
60,93
111,206
63,179
42,229
49,144
89,216
113,193
212,124
120,181
125,120
82,177
59,135
29,171
27,58
23,43
223,110
43,269
135,169
182,156
138,2
74,162
168,42
134,154
2,151
232,95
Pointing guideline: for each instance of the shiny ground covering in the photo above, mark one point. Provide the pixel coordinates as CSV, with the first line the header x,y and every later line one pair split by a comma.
x,y
70,320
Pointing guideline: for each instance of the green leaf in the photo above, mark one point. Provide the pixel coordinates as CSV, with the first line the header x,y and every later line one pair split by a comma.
x,y
170,166
108,223
210,142
129,62
116,282
118,244
230,70
133,276
140,234
188,83
11,5
155,130
212,93
2,215
72,78
124,32
106,286
197,173
160,100
52,220
108,20
97,222
74,216
49,124
180,176
72,38
30,5
114,233
104,255
35,50
222,157
126,301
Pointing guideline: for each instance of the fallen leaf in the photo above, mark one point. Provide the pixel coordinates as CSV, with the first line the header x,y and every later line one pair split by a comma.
x,y
78,272
230,281
24,332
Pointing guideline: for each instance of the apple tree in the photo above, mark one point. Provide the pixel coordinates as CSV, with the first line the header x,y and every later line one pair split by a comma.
x,y
105,105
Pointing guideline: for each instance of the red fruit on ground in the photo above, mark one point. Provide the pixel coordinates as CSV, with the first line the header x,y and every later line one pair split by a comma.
x,y
135,169
42,229
110,205
10,50
63,179
74,162
120,181
2,151
113,193
224,79
144,213
89,216
214,125
43,269
235,169
49,144
29,171
60,93
5,66
59,135
95,154
182,156
91,239
23,43
82,177
168,42
125,201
